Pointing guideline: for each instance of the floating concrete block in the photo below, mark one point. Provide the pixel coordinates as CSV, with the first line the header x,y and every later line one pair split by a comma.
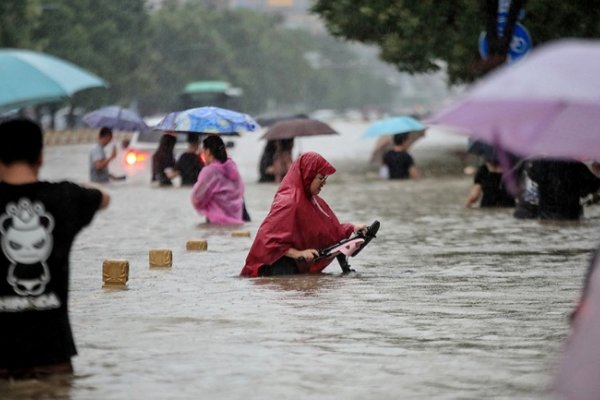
x,y
198,245
115,273
240,234
160,258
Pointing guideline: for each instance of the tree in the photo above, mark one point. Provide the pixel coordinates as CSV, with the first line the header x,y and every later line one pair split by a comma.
x,y
16,19
149,57
426,35
106,37
255,52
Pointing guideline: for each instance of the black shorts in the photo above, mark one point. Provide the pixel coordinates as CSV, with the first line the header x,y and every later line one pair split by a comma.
x,y
283,266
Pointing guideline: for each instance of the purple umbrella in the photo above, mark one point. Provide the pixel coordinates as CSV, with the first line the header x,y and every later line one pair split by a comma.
x,y
115,117
547,103
578,373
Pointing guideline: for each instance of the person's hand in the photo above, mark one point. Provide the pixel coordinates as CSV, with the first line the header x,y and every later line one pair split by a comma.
x,y
307,255
362,228
170,172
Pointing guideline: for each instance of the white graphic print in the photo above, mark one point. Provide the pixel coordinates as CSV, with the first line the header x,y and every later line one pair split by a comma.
x,y
27,243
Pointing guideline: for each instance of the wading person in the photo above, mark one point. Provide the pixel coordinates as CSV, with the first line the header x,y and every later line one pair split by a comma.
x,y
163,160
561,186
188,164
488,187
399,163
219,192
298,224
38,222
98,159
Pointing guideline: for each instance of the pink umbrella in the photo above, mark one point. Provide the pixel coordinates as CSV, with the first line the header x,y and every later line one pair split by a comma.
x,y
547,103
578,373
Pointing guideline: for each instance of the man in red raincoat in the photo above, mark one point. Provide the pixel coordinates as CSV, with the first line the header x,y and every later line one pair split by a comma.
x,y
299,223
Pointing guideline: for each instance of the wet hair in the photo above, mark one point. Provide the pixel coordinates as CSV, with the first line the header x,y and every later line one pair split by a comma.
x,y
400,138
104,131
21,139
216,146
193,138
270,147
166,143
286,144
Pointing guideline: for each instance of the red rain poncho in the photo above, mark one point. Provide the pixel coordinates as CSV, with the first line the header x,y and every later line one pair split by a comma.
x,y
297,219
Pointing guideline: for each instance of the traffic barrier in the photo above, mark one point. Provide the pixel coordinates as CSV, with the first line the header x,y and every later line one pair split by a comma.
x,y
198,245
160,258
240,234
115,274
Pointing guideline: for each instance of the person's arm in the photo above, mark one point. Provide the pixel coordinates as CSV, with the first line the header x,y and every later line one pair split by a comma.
x,y
204,188
474,195
105,197
307,255
413,172
101,164
105,200
171,172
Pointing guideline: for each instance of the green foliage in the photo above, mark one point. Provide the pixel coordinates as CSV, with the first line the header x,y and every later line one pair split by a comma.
x,y
16,19
254,52
148,58
107,37
421,35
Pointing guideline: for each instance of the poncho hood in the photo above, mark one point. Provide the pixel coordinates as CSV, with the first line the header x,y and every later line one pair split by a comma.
x,y
228,169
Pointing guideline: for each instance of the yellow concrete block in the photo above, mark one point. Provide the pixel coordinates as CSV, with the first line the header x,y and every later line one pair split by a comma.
x,y
200,245
115,273
240,234
160,258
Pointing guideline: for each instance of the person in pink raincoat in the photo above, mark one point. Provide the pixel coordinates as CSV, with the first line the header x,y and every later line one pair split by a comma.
x,y
219,191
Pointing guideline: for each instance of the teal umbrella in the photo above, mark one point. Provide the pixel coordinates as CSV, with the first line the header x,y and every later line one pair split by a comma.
x,y
393,125
28,77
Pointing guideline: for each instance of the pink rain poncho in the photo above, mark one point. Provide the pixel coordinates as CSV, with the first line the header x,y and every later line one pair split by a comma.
x,y
219,193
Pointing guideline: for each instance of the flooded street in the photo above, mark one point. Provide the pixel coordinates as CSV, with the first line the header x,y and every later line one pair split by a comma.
x,y
446,303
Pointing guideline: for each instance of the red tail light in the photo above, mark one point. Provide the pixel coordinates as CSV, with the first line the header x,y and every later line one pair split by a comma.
x,y
135,157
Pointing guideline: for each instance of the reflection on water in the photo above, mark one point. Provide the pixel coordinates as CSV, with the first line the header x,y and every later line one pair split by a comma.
x,y
304,285
446,303
56,387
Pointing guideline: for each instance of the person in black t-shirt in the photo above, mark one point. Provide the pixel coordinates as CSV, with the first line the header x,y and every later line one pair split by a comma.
x,y
399,163
38,223
489,187
188,165
561,186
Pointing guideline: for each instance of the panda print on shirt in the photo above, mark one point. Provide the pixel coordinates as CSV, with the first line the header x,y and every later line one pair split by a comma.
x,y
27,242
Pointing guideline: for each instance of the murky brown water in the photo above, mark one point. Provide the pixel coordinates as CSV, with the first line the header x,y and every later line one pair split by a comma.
x,y
446,303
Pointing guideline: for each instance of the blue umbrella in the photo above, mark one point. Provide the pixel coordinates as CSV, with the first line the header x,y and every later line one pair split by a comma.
x,y
29,77
115,117
208,120
393,125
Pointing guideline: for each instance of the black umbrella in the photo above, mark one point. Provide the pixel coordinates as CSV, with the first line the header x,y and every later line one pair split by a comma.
x,y
292,128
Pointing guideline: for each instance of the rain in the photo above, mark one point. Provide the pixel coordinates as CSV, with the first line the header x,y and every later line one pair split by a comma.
x,y
447,301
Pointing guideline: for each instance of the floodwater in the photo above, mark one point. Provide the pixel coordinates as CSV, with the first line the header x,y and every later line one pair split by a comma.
x,y
446,303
